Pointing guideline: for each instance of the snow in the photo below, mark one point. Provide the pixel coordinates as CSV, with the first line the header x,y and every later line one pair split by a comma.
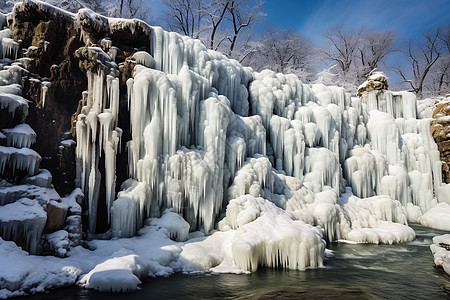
x,y
21,136
120,273
437,217
12,103
58,241
10,193
23,220
8,47
19,159
42,179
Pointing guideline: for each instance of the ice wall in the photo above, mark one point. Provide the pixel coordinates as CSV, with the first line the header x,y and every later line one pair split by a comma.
x,y
197,116
97,132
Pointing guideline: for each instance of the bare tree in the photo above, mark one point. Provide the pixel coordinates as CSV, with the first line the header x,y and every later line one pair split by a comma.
x,y
440,77
374,47
285,51
342,46
421,59
185,16
215,11
218,23
242,14
444,36
440,72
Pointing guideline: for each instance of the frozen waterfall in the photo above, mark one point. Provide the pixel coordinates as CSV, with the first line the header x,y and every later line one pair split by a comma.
x,y
251,168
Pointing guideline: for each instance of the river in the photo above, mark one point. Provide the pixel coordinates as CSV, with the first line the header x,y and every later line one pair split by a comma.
x,y
401,271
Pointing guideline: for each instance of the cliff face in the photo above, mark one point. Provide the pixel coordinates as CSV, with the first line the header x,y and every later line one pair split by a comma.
x,y
57,61
440,129
51,41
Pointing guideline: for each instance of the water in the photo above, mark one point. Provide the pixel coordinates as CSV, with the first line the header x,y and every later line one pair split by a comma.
x,y
402,271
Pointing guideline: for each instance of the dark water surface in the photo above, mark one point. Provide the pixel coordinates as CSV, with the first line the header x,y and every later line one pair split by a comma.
x,y
402,271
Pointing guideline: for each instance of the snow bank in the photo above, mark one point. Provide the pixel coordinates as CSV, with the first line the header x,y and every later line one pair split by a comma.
x,y
120,273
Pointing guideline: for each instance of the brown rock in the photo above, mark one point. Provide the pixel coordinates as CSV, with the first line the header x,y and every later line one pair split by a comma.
x,y
376,81
440,130
56,216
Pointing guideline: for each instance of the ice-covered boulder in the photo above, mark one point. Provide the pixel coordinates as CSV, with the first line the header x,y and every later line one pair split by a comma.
x,y
120,273
437,217
23,222
23,160
56,243
10,193
42,179
269,236
20,136
441,251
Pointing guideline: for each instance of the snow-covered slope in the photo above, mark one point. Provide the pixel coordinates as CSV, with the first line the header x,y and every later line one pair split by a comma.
x,y
260,168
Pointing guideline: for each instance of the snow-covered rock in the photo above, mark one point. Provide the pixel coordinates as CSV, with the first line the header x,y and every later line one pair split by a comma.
x,y
376,81
23,222
441,251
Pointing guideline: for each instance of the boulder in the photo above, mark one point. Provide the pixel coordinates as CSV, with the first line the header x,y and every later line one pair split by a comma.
x,y
376,81
56,216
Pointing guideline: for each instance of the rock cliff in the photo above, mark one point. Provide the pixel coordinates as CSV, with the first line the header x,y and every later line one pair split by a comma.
x,y
440,129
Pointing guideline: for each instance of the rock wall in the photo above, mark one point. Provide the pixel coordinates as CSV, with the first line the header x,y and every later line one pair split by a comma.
x,y
440,129
56,77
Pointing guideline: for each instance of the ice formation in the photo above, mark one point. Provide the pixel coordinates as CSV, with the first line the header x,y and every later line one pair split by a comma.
x,y
120,273
21,136
441,251
228,169
23,221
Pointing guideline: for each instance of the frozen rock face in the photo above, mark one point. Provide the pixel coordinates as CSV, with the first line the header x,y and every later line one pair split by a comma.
x,y
23,222
440,130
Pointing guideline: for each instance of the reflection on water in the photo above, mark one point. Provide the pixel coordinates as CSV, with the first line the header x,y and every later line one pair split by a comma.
x,y
355,272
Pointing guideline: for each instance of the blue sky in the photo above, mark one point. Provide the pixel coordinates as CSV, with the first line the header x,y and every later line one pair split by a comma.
x,y
409,18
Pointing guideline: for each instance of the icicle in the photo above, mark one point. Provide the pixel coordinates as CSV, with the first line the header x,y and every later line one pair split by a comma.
x,y
44,87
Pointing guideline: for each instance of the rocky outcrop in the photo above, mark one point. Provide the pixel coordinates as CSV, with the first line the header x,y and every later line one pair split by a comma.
x,y
60,49
376,81
56,61
440,130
